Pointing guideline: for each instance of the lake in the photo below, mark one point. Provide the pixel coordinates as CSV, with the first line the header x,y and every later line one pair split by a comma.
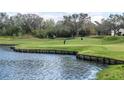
x,y
33,66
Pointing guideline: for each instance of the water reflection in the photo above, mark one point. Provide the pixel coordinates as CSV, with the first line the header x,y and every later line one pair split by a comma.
x,y
14,66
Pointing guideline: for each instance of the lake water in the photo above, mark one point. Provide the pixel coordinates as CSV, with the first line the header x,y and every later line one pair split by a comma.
x,y
32,66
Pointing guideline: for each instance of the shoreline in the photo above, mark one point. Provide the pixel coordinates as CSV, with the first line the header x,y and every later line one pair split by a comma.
x,y
92,58
8,45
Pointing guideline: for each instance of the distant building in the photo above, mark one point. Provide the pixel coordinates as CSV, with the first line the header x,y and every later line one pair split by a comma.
x,y
121,32
112,33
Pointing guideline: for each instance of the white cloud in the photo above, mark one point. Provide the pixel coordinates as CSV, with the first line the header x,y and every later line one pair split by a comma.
x,y
56,18
61,5
97,18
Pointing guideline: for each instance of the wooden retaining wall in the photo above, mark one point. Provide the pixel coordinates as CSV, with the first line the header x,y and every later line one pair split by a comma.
x,y
101,60
44,51
8,45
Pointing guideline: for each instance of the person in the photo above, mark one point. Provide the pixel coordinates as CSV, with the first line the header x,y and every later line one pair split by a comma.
x,y
64,42
81,38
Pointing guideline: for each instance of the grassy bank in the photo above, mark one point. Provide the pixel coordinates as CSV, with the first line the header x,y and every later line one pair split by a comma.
x,y
112,47
112,72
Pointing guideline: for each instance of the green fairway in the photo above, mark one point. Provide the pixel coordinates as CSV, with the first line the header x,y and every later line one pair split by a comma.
x,y
112,47
107,46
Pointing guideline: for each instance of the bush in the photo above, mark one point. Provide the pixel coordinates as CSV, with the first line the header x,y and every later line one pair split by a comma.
x,y
39,33
111,38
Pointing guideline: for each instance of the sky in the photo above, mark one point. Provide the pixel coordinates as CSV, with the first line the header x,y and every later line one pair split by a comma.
x,y
55,9
62,5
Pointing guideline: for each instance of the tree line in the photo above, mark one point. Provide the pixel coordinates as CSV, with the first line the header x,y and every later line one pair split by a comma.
x,y
114,23
70,26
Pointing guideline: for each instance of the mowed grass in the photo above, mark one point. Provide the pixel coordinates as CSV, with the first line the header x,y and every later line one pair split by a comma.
x,y
89,45
112,72
105,46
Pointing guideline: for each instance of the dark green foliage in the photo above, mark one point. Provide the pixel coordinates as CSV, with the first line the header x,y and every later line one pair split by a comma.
x,y
32,24
73,25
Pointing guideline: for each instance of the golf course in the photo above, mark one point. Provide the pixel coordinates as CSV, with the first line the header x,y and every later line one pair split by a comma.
x,y
103,46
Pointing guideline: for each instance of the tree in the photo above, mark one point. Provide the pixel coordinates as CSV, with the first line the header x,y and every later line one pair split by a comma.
x,y
76,22
62,30
32,22
116,22
3,23
49,26
103,28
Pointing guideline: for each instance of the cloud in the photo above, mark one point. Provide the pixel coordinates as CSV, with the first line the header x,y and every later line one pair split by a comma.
x,y
61,5
52,15
97,18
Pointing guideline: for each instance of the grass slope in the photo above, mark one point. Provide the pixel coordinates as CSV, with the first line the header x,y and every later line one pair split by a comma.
x,y
113,72
108,46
